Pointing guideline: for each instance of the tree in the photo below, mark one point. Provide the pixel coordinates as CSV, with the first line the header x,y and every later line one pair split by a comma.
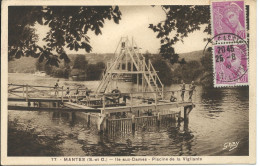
x,y
101,65
182,62
68,25
164,70
80,62
206,61
182,20
190,71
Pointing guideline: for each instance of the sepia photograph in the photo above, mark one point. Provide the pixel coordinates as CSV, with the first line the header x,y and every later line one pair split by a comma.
x,y
129,83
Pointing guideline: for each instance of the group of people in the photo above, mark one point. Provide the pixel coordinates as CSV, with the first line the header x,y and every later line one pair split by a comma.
x,y
183,89
173,98
68,91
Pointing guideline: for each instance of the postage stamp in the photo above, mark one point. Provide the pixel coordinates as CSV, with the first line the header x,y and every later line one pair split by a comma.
x,y
229,17
230,55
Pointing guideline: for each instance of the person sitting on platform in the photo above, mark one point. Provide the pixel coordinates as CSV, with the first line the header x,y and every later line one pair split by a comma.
x,y
116,90
192,88
118,94
182,85
173,97
68,91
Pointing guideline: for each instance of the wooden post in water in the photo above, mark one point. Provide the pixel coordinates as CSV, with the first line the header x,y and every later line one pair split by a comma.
x,y
100,122
179,118
158,118
143,77
133,122
186,117
88,121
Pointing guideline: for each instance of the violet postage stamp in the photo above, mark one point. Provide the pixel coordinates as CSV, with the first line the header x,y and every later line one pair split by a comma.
x,y
230,54
128,82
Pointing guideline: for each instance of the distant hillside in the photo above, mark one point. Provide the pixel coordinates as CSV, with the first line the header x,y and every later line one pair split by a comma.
x,y
95,58
192,56
27,64
22,65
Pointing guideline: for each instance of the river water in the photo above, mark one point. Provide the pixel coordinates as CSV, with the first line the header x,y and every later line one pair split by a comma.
x,y
221,116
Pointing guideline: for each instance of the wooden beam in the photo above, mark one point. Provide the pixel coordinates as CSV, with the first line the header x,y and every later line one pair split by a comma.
x,y
24,108
137,82
36,99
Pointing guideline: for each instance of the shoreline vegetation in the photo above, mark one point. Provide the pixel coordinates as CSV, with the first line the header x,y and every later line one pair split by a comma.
x,y
193,66
22,137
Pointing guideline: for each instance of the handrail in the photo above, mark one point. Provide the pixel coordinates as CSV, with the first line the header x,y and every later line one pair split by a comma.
x,y
49,87
39,86
152,77
155,72
104,93
110,94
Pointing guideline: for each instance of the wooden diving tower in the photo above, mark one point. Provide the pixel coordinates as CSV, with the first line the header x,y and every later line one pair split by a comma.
x,y
128,61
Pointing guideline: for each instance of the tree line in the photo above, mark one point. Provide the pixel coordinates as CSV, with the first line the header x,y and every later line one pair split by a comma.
x,y
199,70
78,67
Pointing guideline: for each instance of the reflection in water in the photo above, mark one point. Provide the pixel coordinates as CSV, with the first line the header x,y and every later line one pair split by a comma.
x,y
220,116
60,117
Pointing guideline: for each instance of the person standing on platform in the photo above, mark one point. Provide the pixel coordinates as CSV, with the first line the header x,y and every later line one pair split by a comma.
x,y
68,92
182,85
192,88
56,87
77,91
87,93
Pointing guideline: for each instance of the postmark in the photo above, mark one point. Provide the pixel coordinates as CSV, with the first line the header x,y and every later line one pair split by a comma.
x,y
230,55
230,64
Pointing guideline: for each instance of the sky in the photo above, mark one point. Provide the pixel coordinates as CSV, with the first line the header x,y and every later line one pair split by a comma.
x,y
134,23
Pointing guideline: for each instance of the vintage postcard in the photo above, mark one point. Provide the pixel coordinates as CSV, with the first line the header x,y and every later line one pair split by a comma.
x,y
128,82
